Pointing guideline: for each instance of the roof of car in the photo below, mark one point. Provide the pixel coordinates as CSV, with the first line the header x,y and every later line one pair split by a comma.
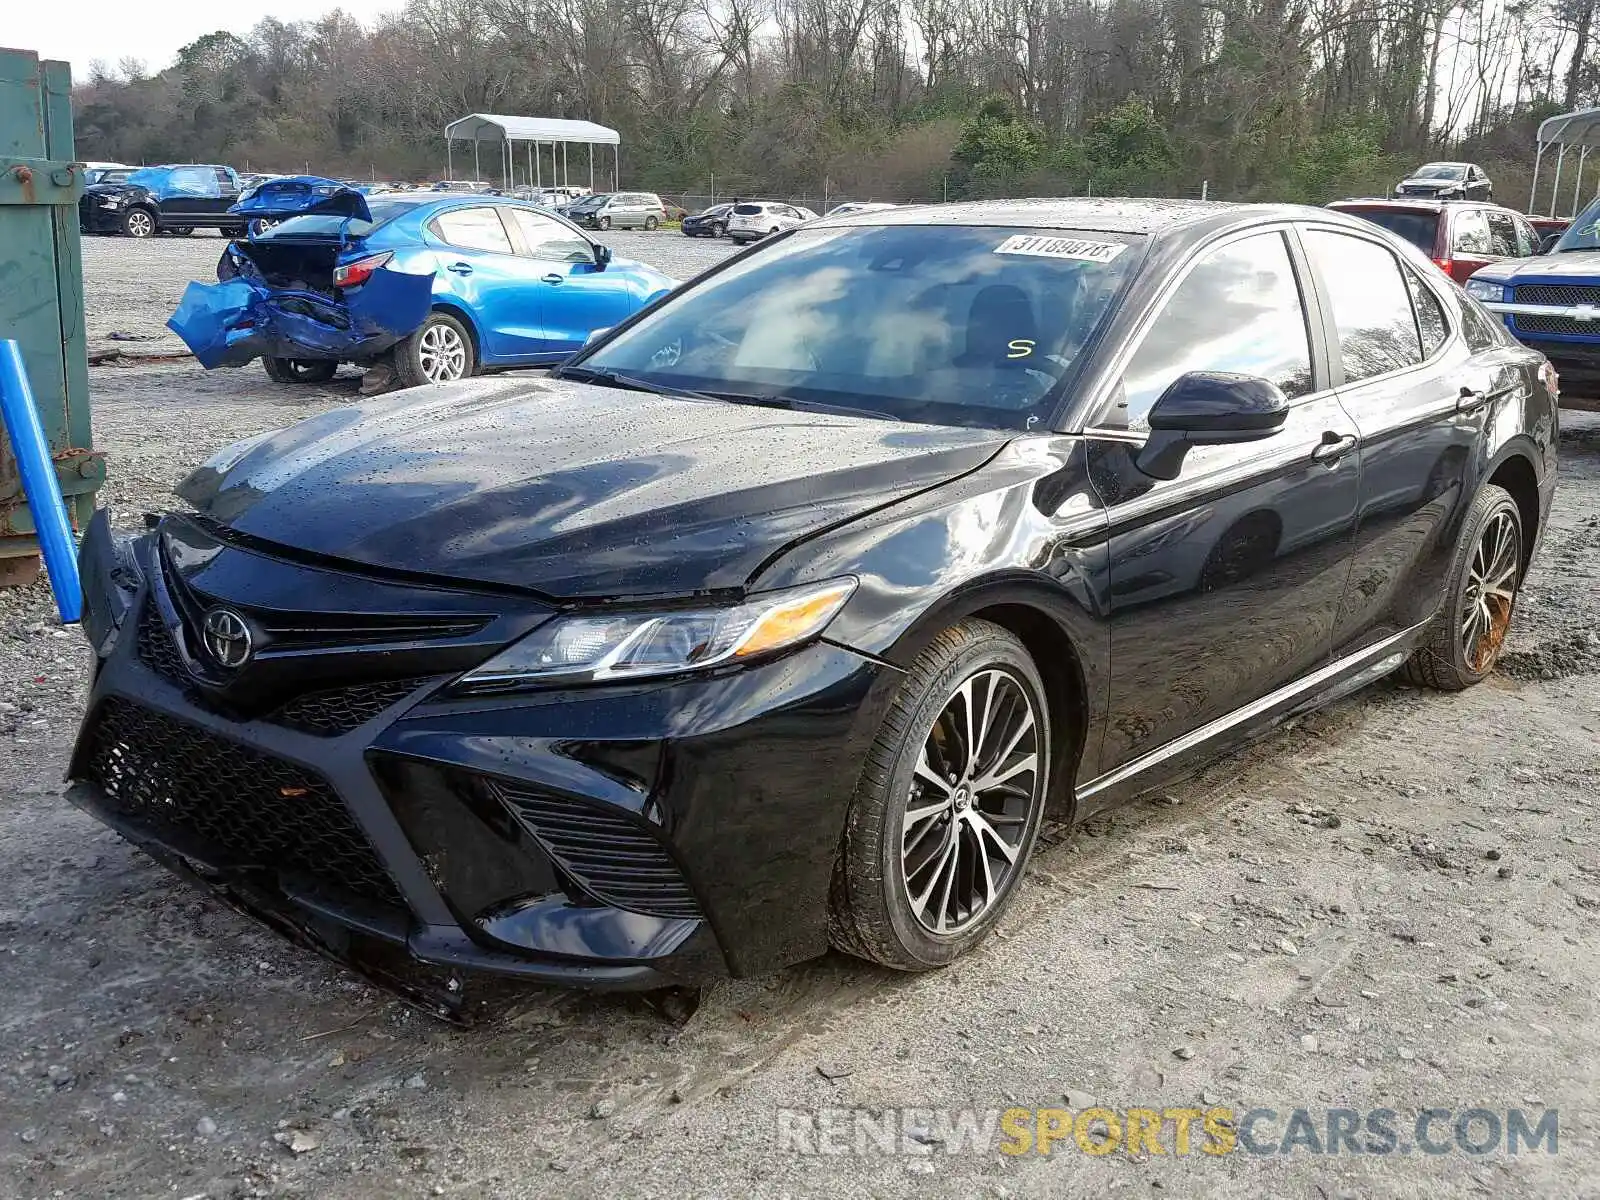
x,y
1105,215
1418,202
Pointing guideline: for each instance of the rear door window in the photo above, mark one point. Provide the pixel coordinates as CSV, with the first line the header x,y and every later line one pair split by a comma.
x,y
1527,238
1371,304
1502,234
1470,234
1239,309
473,229
1431,322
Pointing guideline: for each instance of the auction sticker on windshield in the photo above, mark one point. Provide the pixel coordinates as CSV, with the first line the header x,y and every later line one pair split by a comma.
x,y
1060,247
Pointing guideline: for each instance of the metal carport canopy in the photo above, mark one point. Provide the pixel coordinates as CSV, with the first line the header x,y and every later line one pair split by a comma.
x,y
534,131
489,127
1580,129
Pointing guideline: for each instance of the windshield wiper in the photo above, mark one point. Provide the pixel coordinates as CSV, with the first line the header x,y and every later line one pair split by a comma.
x,y
613,379
771,400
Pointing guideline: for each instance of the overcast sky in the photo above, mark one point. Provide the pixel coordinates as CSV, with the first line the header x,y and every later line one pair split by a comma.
x,y
81,31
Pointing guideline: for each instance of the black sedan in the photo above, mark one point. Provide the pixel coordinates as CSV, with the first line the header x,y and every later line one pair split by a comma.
x,y
780,615
711,222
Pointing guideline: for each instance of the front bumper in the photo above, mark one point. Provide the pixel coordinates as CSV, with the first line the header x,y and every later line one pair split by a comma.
x,y
608,837
96,217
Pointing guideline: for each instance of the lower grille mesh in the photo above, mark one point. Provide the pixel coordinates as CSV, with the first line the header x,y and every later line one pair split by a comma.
x,y
607,855
249,805
339,710
1539,323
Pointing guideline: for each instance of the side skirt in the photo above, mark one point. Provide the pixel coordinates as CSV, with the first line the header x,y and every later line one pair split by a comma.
x,y
1184,755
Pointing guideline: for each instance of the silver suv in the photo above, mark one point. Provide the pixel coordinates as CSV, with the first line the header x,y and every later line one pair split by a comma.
x,y
618,210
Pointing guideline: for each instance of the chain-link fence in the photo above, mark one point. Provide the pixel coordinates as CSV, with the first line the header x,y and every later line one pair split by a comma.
x,y
823,201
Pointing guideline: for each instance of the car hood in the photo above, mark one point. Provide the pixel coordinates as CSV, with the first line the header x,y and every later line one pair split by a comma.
x,y
112,189
571,490
1572,267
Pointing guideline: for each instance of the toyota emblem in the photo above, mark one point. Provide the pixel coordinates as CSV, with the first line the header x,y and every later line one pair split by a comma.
x,y
227,637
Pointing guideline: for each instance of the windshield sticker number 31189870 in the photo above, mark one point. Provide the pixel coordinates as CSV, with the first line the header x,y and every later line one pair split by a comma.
x,y
1060,247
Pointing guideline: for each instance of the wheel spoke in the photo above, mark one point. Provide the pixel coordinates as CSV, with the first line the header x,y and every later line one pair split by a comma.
x,y
1028,762
946,856
982,829
928,775
918,816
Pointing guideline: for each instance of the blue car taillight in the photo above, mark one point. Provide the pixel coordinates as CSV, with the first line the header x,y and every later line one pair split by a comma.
x,y
356,273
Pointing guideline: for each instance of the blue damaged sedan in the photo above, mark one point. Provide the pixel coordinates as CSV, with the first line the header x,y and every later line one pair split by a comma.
x,y
446,286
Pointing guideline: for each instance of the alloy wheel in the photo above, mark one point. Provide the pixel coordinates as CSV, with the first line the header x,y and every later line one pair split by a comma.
x,y
441,353
1490,592
139,224
978,779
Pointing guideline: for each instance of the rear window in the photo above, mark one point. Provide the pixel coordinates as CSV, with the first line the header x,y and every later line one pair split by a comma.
x,y
747,210
1421,229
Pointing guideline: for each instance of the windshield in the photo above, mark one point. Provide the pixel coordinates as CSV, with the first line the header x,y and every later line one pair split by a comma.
x,y
1441,171
948,325
1583,233
1421,229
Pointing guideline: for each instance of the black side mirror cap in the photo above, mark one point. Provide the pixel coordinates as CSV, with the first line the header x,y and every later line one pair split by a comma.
x,y
1548,242
602,255
1209,408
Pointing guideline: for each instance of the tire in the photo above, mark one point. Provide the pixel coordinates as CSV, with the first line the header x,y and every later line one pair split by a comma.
x,y
603,224
300,370
139,223
1485,576
719,230
652,224
440,350
773,232
872,911
180,230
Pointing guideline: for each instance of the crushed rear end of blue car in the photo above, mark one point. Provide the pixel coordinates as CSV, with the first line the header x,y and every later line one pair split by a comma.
x,y
292,295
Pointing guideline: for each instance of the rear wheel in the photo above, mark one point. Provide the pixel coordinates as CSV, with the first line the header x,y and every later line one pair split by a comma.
x,y
300,370
1466,637
440,351
948,805
138,223
181,230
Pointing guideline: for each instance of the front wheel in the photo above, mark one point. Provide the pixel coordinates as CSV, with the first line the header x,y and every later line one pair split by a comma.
x,y
138,223
603,223
651,223
719,230
948,805
1465,640
300,370
439,351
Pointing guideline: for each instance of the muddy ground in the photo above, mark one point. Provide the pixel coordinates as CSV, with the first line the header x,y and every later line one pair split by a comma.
x,y
1392,904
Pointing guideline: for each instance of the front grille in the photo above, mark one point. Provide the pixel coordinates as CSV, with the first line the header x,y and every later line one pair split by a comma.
x,y
339,710
157,650
256,809
1557,293
1530,323
607,855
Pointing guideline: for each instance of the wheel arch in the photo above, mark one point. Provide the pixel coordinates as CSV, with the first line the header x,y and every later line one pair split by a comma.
x,y
1061,648
1513,469
454,308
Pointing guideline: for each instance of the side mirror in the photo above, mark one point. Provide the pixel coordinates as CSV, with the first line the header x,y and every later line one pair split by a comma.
x,y
596,334
602,255
1209,408
1548,242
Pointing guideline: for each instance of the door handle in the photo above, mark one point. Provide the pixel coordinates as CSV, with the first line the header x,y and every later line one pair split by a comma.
x,y
460,268
1334,447
1470,399
552,278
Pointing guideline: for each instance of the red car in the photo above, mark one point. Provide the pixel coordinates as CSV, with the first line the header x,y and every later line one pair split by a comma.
x,y
1461,236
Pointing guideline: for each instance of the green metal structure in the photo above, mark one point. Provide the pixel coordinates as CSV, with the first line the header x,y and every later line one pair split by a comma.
x,y
41,292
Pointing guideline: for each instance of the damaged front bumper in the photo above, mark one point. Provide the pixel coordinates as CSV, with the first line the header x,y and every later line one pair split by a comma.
x,y
229,323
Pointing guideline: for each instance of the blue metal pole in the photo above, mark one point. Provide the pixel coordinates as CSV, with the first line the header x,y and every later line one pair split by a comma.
x,y
39,485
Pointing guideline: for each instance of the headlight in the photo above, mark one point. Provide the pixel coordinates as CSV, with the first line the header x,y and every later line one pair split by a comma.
x,y
1483,289
605,647
111,201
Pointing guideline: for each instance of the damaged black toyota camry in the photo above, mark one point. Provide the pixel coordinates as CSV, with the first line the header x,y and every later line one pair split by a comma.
x,y
780,615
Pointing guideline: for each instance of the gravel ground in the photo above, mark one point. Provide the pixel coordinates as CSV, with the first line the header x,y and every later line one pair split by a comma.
x,y
1390,904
